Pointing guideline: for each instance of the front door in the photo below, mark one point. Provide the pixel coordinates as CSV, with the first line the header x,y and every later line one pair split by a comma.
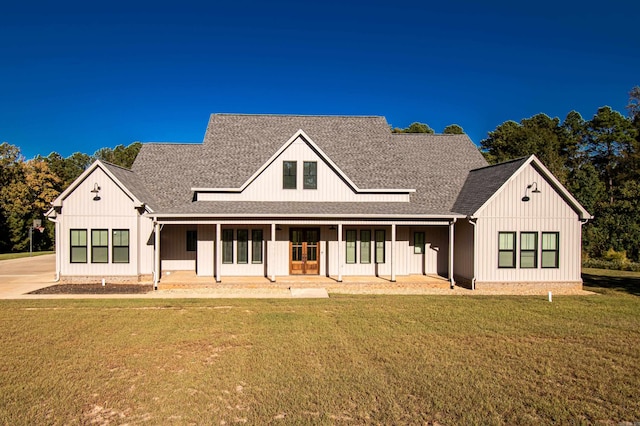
x,y
303,251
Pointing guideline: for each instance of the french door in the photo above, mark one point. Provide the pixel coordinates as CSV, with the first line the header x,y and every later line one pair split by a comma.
x,y
303,251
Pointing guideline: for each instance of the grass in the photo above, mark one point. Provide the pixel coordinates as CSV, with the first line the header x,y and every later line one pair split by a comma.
x,y
348,359
611,281
7,256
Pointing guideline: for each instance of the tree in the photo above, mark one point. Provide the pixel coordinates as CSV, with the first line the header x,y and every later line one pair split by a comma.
x,y
610,138
120,155
26,198
634,104
453,129
415,128
68,169
10,172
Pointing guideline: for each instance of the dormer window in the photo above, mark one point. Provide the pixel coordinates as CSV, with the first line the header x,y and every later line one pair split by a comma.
x,y
310,175
289,174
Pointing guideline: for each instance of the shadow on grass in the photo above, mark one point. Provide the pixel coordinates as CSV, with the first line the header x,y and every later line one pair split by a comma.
x,y
629,285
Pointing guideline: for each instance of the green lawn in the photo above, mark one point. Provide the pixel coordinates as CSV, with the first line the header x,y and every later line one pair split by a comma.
x,y
348,359
7,256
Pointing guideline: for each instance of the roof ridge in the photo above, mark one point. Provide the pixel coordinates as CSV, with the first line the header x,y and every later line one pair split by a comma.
x,y
171,143
294,115
501,163
429,134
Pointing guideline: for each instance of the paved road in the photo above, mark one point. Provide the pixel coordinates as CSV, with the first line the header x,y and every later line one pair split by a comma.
x,y
19,276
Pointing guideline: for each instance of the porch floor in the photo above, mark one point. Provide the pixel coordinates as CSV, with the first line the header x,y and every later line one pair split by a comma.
x,y
189,280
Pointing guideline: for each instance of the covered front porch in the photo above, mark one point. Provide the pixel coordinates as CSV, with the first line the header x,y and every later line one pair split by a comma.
x,y
229,251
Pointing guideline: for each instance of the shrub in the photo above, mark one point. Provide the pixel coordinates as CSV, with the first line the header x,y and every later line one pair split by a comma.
x,y
616,264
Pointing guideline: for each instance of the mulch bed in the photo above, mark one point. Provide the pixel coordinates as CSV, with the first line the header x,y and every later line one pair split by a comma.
x,y
95,289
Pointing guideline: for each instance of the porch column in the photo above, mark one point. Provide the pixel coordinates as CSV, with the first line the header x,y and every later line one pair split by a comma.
x,y
393,252
339,252
218,255
156,253
451,238
271,254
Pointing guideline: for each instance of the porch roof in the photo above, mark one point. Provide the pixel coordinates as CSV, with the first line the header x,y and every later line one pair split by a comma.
x,y
318,210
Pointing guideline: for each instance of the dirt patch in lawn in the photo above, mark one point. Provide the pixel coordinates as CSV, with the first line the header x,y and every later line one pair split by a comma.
x,y
95,289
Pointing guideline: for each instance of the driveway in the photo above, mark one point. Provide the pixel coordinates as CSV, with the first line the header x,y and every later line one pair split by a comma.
x,y
20,276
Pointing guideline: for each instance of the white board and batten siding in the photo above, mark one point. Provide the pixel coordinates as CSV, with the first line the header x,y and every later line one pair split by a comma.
x,y
267,186
546,211
114,210
463,250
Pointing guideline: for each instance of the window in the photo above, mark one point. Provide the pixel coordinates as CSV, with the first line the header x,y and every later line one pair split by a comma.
x,y
227,246
289,174
78,246
243,246
310,173
365,246
380,238
418,242
99,246
120,246
528,249
256,246
351,246
506,250
550,250
192,240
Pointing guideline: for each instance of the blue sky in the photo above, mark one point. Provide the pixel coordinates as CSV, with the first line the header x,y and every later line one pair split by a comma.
x,y
78,76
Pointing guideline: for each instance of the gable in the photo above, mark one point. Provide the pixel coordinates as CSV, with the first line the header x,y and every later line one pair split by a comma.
x,y
97,193
333,185
552,202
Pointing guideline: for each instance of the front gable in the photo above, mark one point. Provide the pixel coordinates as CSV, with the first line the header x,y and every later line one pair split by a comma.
x,y
333,185
97,192
552,200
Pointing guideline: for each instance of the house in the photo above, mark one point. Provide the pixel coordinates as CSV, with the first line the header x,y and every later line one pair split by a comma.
x,y
336,196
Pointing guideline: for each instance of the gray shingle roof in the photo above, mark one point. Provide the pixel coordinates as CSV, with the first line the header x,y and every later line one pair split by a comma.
x,y
132,182
483,183
236,146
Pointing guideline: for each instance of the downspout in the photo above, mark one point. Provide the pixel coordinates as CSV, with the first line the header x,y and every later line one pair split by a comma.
x,y
472,221
156,253
582,223
57,246
452,281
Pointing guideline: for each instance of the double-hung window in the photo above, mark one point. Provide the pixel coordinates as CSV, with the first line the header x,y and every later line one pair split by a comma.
x,y
99,246
550,250
506,250
78,246
243,246
289,174
227,246
418,242
528,249
256,246
120,248
351,245
365,246
310,172
380,239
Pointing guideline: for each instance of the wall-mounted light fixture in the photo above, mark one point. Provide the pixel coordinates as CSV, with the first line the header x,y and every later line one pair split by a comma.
x,y
332,228
278,228
535,190
96,192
